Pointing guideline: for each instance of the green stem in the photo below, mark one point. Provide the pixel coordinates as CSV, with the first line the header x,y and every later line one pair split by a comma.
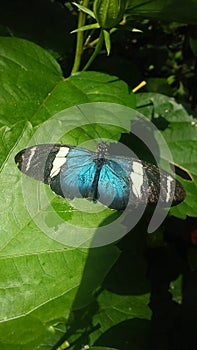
x,y
97,49
79,45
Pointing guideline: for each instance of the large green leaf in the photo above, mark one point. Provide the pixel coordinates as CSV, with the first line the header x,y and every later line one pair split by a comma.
x,y
180,132
170,10
38,286
33,89
40,277
42,280
28,75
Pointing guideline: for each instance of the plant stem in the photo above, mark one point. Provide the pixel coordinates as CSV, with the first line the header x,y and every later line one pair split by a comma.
x,y
79,45
97,49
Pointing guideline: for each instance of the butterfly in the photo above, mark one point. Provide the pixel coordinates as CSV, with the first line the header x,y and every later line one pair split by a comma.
x,y
115,181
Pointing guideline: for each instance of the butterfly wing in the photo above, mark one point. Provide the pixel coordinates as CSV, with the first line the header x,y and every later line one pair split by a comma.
x,y
68,170
73,172
162,186
77,174
39,161
150,184
124,180
113,185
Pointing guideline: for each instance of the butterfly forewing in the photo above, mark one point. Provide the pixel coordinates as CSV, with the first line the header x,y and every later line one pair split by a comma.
x,y
37,161
77,174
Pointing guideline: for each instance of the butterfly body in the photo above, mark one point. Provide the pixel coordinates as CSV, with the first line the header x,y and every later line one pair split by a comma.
x,y
112,180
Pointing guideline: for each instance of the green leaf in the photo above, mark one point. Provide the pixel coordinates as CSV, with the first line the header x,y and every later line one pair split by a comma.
x,y
159,85
41,278
176,289
88,27
180,132
32,86
8,137
122,319
85,9
28,75
43,273
170,10
107,41
102,87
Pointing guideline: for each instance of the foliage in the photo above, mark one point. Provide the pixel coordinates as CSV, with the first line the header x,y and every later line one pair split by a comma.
x,y
55,297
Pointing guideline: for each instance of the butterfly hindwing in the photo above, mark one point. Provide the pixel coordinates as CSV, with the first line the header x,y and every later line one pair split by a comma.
x,y
162,186
113,185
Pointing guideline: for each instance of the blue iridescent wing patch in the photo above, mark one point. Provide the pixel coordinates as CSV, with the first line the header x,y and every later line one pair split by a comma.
x,y
77,174
113,185
114,181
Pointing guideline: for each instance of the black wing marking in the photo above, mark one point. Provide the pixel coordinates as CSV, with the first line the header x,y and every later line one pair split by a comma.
x,y
37,161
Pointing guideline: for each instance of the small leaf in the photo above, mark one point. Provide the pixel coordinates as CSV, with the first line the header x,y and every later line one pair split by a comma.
x,y
107,41
118,312
135,30
85,9
88,27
